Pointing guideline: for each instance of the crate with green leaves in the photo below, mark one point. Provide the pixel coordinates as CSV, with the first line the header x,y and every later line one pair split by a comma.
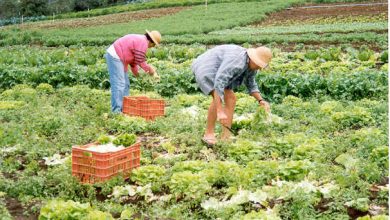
x,y
106,158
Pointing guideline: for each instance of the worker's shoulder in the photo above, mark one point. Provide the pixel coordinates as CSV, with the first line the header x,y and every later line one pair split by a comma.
x,y
133,37
229,47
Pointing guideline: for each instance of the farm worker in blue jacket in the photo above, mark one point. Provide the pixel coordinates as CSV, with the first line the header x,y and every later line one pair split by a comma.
x,y
221,70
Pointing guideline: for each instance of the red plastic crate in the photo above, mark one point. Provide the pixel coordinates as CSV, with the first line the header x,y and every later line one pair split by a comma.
x,y
92,167
143,107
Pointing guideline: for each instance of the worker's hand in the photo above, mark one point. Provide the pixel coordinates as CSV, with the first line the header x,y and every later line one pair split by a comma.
x,y
265,105
222,118
156,76
152,70
154,73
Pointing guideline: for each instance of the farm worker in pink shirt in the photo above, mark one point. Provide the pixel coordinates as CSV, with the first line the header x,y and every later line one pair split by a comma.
x,y
128,50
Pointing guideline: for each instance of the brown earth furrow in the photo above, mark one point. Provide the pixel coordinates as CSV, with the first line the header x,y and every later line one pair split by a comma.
x,y
104,19
302,14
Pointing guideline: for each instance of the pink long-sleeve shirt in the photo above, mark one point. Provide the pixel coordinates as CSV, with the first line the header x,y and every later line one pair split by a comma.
x,y
131,50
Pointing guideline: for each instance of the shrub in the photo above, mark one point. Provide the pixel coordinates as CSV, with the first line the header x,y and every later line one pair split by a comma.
x,y
125,140
188,185
45,88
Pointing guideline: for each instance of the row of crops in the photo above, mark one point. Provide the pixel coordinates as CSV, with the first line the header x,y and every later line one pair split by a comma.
x,y
130,7
164,4
319,158
189,27
18,37
118,9
338,72
195,20
346,30
321,154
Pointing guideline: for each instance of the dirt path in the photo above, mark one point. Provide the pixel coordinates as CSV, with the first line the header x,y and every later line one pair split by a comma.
x,y
17,211
313,11
344,5
104,19
309,13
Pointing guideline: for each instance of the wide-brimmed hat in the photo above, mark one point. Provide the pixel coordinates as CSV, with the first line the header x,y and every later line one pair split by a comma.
x,y
261,56
155,36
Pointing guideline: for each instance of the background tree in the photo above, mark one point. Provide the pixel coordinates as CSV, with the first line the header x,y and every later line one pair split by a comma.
x,y
16,8
34,7
61,6
81,5
9,8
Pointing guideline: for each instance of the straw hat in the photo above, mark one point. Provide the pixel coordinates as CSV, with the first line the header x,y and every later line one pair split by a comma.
x,y
155,35
261,56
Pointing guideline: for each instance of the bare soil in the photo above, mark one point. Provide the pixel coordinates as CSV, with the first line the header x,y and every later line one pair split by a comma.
x,y
291,47
124,17
302,14
16,210
354,213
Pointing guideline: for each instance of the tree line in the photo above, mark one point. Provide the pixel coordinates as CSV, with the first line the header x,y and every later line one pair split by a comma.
x,y
27,8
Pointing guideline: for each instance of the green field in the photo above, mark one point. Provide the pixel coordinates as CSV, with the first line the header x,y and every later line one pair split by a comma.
x,y
321,154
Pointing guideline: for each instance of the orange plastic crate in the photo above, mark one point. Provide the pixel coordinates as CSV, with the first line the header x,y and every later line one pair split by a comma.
x,y
92,167
143,106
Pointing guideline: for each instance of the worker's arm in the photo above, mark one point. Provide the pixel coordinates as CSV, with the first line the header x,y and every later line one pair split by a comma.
x,y
261,101
134,70
253,90
139,53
